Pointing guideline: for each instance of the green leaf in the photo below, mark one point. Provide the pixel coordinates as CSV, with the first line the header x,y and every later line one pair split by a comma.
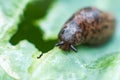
x,y
59,65
10,11
15,60
90,63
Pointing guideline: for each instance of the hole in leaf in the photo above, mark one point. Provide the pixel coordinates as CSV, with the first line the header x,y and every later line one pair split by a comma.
x,y
26,29
34,35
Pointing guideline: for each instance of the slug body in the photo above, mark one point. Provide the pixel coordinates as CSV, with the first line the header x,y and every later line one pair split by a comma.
x,y
87,26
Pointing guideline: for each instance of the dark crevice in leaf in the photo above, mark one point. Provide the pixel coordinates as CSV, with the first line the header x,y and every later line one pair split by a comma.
x,y
37,9
33,35
27,29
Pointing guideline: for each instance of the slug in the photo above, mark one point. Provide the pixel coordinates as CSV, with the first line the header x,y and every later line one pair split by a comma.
x,y
87,26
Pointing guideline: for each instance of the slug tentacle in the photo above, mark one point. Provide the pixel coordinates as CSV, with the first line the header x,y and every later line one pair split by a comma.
x,y
60,43
73,48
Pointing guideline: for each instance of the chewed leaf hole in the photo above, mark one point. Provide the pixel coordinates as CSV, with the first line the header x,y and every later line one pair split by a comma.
x,y
33,35
26,29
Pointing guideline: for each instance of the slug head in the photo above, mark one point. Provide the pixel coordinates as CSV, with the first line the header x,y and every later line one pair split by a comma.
x,y
68,36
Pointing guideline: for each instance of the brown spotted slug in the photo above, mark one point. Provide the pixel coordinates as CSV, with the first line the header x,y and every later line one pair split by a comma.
x,y
87,26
